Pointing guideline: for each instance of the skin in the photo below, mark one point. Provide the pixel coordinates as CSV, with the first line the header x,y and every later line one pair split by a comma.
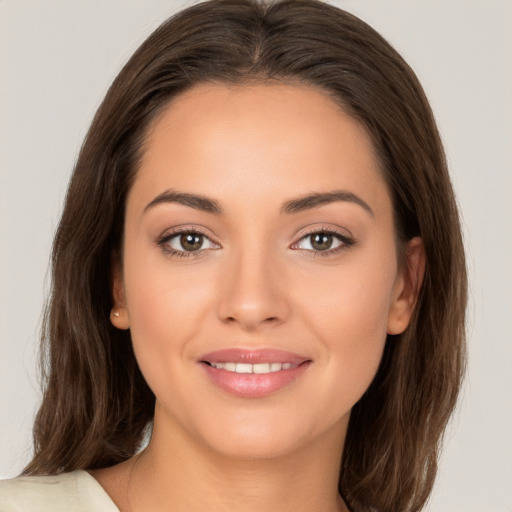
x,y
256,282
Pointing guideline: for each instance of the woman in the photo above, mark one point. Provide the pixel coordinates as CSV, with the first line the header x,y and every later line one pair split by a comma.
x,y
259,266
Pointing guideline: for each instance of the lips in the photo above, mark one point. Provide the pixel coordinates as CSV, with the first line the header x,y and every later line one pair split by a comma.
x,y
253,373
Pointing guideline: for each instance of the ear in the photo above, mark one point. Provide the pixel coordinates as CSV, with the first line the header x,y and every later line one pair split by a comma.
x,y
407,287
119,314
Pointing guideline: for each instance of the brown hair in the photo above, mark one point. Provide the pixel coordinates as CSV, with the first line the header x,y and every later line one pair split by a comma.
x,y
96,403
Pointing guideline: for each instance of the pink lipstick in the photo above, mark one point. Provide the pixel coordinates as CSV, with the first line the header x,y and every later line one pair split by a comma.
x,y
253,373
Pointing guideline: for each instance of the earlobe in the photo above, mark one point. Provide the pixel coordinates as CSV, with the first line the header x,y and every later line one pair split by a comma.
x,y
119,313
407,288
119,318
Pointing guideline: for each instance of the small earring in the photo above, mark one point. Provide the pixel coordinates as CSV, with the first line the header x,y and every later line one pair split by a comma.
x,y
116,313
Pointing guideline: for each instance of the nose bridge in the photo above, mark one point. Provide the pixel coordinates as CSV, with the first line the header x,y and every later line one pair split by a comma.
x,y
252,288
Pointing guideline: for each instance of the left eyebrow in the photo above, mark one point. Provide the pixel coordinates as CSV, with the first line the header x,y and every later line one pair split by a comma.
x,y
197,202
322,198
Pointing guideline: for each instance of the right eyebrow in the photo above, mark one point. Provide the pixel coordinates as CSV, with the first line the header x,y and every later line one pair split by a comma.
x,y
198,202
321,198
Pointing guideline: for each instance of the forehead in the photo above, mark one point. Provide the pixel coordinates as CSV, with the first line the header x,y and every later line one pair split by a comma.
x,y
273,114
256,141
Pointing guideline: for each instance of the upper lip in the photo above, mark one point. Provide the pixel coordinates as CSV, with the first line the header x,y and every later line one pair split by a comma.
x,y
253,356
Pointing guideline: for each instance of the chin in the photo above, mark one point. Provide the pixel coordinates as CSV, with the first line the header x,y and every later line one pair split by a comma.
x,y
255,447
262,436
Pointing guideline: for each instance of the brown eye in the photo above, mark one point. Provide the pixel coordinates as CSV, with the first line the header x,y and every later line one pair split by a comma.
x,y
191,241
321,241
187,242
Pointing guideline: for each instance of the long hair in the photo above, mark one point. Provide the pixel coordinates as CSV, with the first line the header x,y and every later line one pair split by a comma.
x,y
96,405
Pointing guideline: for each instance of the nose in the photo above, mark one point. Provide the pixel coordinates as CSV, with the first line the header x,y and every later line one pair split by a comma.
x,y
253,293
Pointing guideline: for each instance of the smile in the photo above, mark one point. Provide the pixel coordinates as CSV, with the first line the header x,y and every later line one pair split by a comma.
x,y
253,368
253,373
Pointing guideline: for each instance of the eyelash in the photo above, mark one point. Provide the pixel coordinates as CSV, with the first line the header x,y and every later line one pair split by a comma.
x,y
346,242
162,242
167,237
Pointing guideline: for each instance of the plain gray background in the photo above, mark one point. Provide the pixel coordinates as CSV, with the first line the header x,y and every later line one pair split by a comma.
x,y
57,59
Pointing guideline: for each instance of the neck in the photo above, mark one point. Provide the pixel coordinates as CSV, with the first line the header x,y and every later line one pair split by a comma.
x,y
177,472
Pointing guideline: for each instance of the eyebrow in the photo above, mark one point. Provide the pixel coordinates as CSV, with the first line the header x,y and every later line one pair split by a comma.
x,y
197,202
322,198
300,204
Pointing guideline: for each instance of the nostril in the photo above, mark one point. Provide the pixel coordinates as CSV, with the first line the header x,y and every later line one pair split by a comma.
x,y
251,313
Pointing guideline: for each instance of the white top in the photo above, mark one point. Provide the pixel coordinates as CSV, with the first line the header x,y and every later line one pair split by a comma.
x,y
76,491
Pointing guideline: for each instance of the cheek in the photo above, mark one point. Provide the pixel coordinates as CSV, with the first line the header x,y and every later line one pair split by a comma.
x,y
163,307
166,310
348,313
352,302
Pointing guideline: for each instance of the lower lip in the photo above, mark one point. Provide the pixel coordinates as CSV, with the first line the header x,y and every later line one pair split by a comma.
x,y
254,385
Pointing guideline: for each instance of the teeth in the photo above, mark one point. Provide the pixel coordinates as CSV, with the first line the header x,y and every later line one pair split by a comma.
x,y
253,368
243,368
261,368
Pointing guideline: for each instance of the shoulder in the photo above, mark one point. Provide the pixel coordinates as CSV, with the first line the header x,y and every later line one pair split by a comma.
x,y
76,491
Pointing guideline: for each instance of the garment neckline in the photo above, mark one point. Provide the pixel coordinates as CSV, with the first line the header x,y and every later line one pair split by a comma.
x,y
92,482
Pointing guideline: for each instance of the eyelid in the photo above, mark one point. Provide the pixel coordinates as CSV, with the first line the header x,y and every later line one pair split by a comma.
x,y
170,233
346,238
325,228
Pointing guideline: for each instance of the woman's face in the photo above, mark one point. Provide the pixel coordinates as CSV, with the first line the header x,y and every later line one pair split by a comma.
x,y
259,275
